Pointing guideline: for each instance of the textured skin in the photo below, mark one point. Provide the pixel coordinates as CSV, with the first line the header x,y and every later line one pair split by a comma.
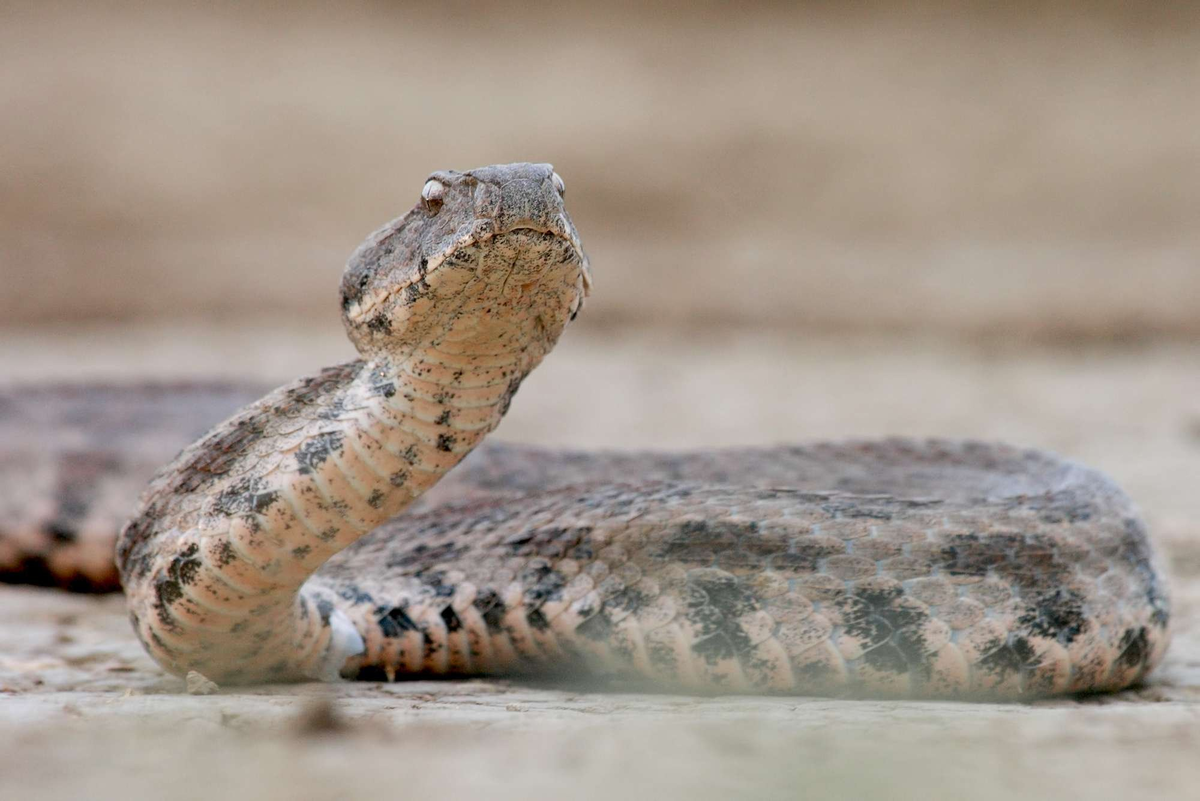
x,y
936,569
450,307
896,568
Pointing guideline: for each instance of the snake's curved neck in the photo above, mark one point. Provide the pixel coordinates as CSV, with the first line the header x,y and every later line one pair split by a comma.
x,y
236,592
451,306
401,427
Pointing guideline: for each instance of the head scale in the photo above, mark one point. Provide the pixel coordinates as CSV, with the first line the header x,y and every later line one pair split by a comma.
x,y
489,248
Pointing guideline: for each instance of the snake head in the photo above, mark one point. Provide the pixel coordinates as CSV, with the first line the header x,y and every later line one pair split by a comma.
x,y
489,252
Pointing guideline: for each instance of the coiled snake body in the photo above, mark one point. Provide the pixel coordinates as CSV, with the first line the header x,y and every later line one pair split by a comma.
x,y
271,549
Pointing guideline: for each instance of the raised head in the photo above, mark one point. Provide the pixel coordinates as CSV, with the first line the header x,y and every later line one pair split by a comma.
x,y
491,250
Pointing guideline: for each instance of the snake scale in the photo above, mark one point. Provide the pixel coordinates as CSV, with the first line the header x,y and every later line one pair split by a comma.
x,y
274,548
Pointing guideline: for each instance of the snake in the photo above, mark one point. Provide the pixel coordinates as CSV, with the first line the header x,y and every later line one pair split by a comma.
x,y
354,525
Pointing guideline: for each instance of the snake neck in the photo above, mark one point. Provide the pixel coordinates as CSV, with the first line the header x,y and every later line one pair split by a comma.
x,y
451,306
421,415
225,592
403,425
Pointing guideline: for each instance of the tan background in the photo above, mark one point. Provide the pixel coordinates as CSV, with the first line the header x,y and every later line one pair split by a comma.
x,y
1030,170
806,221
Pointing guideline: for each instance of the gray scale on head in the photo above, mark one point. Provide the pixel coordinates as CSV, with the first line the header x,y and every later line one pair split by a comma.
x,y
456,214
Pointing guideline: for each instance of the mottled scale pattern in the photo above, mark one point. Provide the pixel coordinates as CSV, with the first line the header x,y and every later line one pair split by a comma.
x,y
1019,576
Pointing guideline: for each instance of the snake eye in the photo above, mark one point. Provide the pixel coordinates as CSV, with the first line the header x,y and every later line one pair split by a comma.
x,y
432,193
558,183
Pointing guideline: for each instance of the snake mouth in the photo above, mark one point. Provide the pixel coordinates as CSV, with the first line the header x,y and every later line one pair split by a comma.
x,y
528,236
533,235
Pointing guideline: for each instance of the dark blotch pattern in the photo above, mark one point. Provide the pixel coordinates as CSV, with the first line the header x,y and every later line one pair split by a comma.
x,y
451,619
185,565
491,608
1135,647
598,627
245,497
394,622
1014,656
380,324
313,453
889,631
714,601
1057,615
166,592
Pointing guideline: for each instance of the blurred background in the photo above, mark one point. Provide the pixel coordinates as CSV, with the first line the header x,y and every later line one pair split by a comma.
x,y
1024,171
806,220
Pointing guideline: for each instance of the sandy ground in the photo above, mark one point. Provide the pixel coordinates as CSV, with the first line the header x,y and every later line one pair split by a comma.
x,y
85,714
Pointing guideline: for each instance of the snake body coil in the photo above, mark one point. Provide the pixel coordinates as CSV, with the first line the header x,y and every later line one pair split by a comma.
x,y
264,551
